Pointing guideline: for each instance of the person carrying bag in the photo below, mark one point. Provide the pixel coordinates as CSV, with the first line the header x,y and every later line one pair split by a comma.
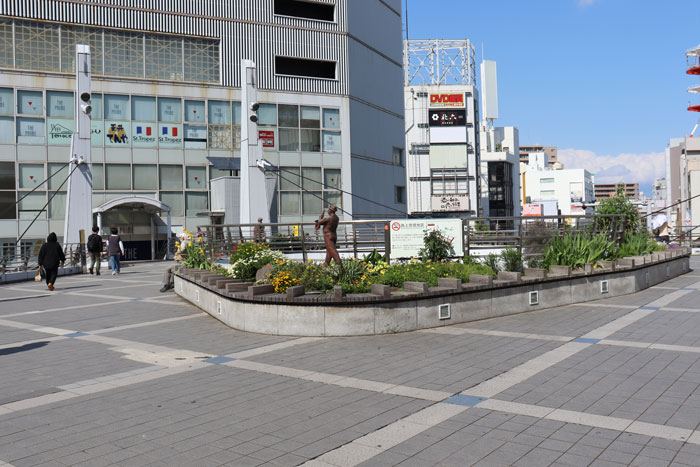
x,y
50,257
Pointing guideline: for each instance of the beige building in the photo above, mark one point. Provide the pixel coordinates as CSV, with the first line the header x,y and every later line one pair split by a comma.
x,y
550,151
608,190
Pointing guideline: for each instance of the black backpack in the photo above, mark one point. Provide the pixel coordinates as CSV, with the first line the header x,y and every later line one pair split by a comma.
x,y
94,244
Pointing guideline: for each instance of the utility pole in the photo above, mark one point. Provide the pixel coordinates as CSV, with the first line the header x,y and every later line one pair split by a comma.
x,y
78,219
253,202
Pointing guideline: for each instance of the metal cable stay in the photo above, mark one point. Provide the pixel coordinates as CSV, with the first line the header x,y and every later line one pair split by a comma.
x,y
36,187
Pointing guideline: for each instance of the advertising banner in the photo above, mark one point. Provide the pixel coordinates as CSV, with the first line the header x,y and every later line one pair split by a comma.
x,y
267,138
576,191
444,203
532,209
117,133
143,134
195,136
406,236
59,130
447,117
169,135
447,100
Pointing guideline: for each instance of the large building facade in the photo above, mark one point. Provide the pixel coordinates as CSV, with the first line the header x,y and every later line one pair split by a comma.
x,y
166,102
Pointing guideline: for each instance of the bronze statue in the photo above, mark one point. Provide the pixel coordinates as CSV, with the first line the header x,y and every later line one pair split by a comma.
x,y
330,225
259,235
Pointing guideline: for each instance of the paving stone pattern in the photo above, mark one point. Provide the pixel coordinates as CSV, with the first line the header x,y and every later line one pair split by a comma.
x,y
108,371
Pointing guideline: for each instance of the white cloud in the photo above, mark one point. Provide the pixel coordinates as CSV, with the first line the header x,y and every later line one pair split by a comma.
x,y
642,168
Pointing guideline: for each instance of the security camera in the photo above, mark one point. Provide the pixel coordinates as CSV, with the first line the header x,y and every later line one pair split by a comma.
x,y
85,97
254,118
86,108
254,106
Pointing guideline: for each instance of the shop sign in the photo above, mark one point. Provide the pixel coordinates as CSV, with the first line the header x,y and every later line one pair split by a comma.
x,y
169,135
445,203
532,210
117,133
447,118
60,130
447,100
267,138
406,236
143,134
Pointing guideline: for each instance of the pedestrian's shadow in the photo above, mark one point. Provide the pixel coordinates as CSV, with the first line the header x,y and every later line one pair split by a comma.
x,y
22,348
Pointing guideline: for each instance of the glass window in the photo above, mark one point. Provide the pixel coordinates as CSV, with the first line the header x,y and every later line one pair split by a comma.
x,y
70,37
196,178
58,173
267,114
57,205
216,173
546,193
36,46
32,204
546,180
7,101
123,53
194,111
220,112
170,177
310,117
96,102
7,130
117,177
143,108
236,110
331,141
59,104
31,130
202,60
175,201
98,177
311,140
163,57
7,205
145,177
220,136
7,175
6,45
289,203
288,115
169,109
30,103
331,197
289,178
116,107
312,203
195,203
311,178
288,139
331,118
195,136
331,178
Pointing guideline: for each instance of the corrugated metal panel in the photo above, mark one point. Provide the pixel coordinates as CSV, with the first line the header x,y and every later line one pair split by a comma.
x,y
246,28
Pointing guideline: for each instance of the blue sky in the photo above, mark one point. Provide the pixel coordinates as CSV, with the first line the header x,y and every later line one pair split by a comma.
x,y
603,80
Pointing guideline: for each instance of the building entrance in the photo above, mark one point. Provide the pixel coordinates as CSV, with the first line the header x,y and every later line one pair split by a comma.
x,y
140,226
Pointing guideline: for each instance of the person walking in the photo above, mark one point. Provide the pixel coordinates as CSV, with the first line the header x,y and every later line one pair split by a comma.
x,y
115,250
50,257
94,247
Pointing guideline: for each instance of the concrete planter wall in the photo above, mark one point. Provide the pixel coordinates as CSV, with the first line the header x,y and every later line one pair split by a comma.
x,y
254,309
29,275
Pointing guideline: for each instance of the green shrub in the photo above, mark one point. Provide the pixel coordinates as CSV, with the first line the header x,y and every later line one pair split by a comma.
x,y
637,244
317,277
437,247
492,261
512,260
618,204
429,272
577,249
248,257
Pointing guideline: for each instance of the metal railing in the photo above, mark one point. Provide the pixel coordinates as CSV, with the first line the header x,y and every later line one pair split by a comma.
x,y
24,257
481,235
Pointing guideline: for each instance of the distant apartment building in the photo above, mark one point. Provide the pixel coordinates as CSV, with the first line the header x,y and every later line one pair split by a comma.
x,y
550,151
570,189
608,190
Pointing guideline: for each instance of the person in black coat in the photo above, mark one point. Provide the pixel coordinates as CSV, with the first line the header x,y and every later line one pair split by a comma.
x,y
50,257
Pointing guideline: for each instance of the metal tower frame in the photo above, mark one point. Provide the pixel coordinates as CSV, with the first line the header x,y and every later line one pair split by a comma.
x,y
439,61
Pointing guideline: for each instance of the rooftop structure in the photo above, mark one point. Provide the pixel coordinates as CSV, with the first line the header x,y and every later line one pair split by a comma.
x,y
608,190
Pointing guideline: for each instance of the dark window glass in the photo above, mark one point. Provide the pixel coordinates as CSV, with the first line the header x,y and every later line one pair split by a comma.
x,y
308,10
7,175
304,67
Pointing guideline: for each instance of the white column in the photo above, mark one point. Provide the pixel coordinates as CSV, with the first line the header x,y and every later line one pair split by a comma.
x,y
99,222
169,255
153,238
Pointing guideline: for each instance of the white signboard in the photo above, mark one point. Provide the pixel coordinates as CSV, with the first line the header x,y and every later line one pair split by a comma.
x,y
406,236
443,203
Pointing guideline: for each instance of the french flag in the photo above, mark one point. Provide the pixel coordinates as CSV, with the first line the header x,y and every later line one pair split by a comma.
x,y
139,130
173,130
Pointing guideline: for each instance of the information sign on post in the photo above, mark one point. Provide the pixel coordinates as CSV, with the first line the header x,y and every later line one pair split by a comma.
x,y
406,236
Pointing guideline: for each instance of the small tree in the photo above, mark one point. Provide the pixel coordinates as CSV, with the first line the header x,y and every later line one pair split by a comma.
x,y
437,247
618,204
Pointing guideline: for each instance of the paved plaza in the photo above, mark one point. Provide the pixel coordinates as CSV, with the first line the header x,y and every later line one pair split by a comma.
x,y
108,371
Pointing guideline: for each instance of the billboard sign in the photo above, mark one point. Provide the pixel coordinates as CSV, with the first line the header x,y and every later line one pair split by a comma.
x,y
406,236
446,203
267,138
532,209
447,118
447,100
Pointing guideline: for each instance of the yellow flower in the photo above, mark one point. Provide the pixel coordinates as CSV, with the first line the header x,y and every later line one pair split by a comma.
x,y
189,243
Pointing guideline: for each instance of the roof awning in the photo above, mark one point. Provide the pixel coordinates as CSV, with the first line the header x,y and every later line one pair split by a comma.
x,y
225,163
